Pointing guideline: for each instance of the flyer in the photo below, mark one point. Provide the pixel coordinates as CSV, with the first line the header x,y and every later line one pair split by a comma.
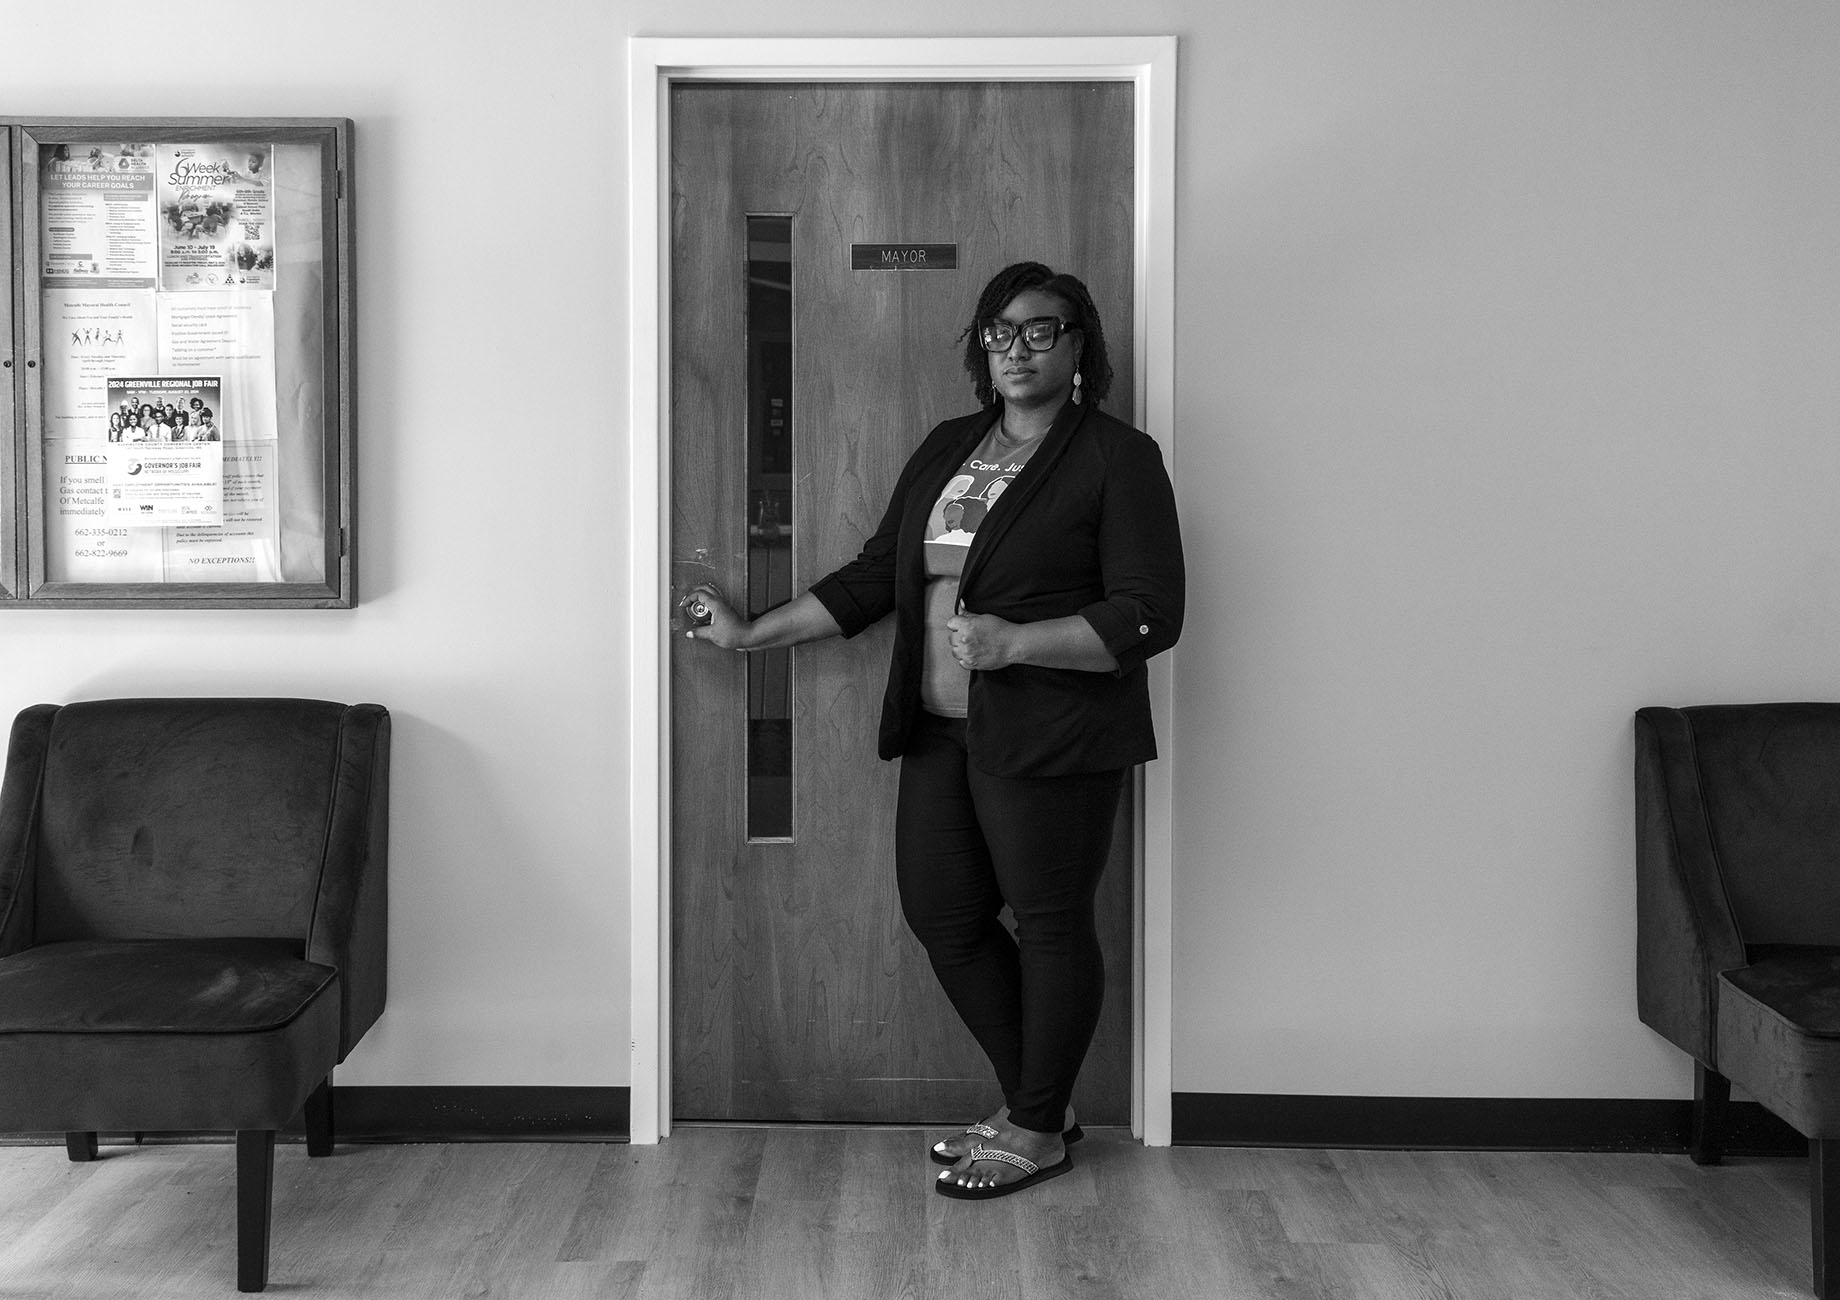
x,y
82,545
247,547
229,334
90,334
96,216
155,486
169,467
169,408
216,216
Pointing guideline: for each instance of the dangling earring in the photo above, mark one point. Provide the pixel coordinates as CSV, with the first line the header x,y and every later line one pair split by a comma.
x,y
1076,388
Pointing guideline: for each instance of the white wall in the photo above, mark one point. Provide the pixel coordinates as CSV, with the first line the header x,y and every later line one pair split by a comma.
x,y
1519,413
1507,404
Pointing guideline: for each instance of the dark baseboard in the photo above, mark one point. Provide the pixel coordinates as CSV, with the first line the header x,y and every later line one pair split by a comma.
x,y
482,1114
1465,1124
436,1114
513,1114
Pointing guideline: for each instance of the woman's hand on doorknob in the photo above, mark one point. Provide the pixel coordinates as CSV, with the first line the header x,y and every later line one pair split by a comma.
x,y
724,628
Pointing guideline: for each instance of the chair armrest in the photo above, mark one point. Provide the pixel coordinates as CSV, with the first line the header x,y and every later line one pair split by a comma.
x,y
1686,933
350,929
25,769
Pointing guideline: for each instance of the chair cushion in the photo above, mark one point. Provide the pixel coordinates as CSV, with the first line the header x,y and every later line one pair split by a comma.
x,y
158,1034
157,986
1779,1034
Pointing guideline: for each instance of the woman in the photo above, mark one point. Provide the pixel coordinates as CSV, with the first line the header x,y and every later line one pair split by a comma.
x,y
1031,558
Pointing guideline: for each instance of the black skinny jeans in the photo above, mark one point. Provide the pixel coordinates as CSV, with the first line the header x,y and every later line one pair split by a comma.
x,y
966,843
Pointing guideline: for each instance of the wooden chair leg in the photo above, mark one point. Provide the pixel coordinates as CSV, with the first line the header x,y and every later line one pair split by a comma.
x,y
81,1147
255,1194
1711,1102
1824,1214
318,1117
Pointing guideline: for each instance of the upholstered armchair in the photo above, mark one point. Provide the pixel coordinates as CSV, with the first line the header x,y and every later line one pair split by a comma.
x,y
1738,922
192,922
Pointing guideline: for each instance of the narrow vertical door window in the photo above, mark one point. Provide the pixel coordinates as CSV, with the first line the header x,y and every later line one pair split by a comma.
x,y
769,522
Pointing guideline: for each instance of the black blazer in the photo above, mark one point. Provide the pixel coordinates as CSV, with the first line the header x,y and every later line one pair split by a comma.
x,y
1088,527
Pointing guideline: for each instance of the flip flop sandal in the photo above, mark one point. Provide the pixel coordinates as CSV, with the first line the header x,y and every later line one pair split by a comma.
x,y
939,1157
1032,1173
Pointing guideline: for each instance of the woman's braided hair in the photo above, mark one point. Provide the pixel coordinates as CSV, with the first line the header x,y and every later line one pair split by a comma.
x,y
1004,286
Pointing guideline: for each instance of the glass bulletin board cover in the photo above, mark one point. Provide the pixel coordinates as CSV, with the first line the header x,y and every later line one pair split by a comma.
x,y
159,279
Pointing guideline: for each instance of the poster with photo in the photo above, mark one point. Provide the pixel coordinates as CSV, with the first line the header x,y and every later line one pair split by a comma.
x,y
169,468
168,408
216,216
96,216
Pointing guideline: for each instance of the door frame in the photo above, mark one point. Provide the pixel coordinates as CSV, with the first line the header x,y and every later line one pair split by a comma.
x,y
654,65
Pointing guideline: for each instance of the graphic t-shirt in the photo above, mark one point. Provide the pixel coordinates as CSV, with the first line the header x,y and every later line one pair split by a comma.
x,y
954,521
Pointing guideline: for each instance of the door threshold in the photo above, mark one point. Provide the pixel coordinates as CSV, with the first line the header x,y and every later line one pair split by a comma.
x,y
863,1126
816,1124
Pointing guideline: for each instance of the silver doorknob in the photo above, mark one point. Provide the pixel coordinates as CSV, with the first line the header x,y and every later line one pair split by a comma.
x,y
696,611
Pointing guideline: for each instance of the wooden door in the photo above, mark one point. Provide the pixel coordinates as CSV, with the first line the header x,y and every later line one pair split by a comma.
x,y
798,993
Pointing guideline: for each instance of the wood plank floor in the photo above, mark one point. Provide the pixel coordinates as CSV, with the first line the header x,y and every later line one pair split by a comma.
x,y
758,1214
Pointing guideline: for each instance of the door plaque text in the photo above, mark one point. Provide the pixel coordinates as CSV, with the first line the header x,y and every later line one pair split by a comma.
x,y
903,257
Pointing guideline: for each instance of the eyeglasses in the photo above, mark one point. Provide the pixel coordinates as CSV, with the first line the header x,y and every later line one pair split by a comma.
x,y
1039,333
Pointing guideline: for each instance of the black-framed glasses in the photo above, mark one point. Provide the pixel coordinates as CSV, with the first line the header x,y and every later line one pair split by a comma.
x,y
1039,333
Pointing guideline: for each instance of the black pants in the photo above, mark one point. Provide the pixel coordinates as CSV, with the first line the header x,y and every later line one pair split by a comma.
x,y
966,843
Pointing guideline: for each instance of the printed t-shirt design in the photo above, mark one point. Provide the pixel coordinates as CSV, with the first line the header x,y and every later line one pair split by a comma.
x,y
962,506
956,516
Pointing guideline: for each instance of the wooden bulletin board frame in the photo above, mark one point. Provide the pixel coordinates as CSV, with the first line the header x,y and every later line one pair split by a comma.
x,y
310,560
